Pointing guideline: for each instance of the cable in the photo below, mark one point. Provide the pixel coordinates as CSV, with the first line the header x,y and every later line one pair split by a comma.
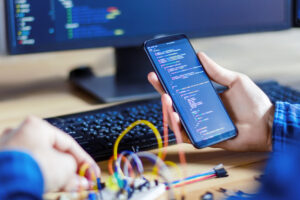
x,y
194,181
216,172
179,171
125,160
131,126
194,177
174,165
165,129
169,111
164,170
123,180
92,175
139,165
83,169
110,165
179,140
136,159
155,160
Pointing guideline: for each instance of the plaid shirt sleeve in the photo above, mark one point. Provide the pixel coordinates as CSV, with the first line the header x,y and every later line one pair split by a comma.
x,y
286,125
282,175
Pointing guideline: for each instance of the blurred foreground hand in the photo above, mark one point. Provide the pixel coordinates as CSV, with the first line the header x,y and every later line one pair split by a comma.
x,y
57,154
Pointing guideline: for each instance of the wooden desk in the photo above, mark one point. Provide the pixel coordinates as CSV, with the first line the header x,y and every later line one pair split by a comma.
x,y
37,85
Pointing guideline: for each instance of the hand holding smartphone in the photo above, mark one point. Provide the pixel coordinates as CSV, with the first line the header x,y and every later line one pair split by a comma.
x,y
195,100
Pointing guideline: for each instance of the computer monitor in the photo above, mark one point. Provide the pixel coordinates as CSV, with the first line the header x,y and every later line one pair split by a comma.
x,y
52,25
297,13
3,41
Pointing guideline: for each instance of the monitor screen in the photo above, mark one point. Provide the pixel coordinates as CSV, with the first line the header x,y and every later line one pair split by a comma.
x,y
298,12
49,25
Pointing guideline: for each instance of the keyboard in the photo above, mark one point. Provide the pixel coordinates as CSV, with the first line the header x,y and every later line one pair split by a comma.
x,y
97,130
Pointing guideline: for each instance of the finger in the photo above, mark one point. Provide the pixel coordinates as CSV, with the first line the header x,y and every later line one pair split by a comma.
x,y
166,103
152,77
216,72
68,166
222,145
60,141
75,183
8,130
7,136
58,168
184,136
66,143
174,119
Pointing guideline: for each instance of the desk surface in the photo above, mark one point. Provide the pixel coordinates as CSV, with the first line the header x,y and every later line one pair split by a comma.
x,y
37,85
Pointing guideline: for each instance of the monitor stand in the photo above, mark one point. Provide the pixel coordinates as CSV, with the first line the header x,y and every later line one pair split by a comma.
x,y
129,83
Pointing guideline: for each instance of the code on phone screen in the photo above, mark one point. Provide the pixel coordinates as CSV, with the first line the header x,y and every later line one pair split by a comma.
x,y
191,90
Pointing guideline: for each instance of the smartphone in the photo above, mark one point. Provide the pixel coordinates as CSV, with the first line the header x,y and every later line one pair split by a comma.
x,y
183,77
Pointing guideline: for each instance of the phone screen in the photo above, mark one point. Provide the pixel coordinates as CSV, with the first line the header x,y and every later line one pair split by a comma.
x,y
195,99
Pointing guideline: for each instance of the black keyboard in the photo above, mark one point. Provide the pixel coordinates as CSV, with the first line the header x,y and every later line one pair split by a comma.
x,y
97,130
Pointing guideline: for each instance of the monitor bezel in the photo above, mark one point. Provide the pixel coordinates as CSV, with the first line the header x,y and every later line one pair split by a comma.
x,y
138,41
3,26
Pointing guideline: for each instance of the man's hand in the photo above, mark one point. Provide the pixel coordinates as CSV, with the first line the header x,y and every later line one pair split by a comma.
x,y
248,106
57,154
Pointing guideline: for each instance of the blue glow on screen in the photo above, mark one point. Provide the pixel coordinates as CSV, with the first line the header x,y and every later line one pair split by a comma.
x,y
48,25
191,89
298,10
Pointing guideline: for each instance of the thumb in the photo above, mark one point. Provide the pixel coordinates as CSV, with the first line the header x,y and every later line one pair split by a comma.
x,y
174,118
216,72
58,168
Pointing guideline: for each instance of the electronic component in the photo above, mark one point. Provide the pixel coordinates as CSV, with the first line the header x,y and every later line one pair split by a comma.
x,y
216,172
235,194
220,171
122,185
149,193
96,131
207,196
259,178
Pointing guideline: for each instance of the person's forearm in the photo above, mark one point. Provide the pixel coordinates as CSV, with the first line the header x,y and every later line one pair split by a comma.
x,y
20,177
286,124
